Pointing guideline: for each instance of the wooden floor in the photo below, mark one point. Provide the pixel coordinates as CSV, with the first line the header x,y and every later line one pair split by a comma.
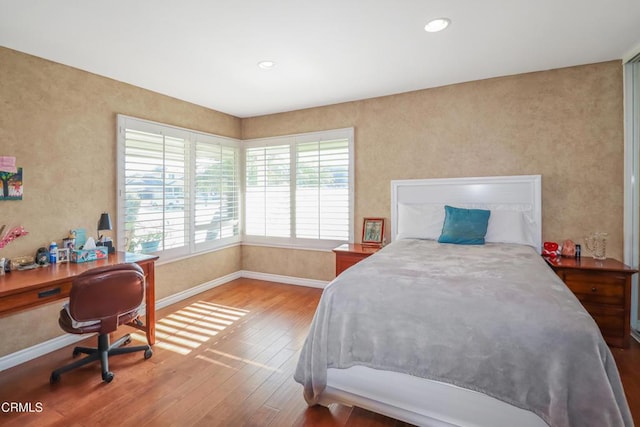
x,y
223,358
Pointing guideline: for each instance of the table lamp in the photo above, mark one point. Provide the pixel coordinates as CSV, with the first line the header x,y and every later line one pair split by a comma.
x,y
104,224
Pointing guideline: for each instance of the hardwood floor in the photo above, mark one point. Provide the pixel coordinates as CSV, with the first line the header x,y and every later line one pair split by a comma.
x,y
628,361
223,358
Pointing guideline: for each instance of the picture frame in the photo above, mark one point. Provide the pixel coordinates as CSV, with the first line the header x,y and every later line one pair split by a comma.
x,y
373,231
69,243
63,255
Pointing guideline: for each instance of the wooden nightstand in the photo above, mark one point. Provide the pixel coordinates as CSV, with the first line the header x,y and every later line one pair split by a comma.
x,y
350,254
604,289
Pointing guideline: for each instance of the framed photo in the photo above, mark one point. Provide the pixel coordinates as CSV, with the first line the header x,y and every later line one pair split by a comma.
x,y
69,243
373,231
63,255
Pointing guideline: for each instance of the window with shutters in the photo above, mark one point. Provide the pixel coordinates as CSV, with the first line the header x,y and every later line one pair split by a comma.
x,y
299,189
178,190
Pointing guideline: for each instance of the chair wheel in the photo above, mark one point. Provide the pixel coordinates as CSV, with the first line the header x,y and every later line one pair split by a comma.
x,y
148,353
107,377
55,378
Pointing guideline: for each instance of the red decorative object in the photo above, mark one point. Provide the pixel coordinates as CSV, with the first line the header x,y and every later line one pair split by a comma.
x,y
11,235
550,249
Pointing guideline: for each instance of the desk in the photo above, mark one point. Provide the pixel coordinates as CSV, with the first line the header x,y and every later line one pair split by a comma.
x,y
20,290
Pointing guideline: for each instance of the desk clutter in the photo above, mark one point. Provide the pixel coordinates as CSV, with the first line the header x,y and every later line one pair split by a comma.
x,y
78,248
75,248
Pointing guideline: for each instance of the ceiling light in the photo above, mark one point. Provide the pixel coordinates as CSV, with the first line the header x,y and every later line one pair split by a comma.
x,y
266,65
436,25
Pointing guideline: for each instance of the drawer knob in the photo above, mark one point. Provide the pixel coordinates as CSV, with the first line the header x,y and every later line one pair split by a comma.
x,y
594,289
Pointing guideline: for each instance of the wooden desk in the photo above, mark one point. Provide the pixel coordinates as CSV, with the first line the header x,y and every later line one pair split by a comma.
x,y
20,290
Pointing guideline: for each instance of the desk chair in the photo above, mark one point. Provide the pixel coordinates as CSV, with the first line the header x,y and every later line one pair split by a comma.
x,y
101,299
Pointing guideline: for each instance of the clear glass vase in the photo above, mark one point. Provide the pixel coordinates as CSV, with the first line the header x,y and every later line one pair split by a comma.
x,y
596,244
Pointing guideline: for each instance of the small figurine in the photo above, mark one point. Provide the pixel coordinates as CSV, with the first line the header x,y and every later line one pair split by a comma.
x,y
550,250
568,248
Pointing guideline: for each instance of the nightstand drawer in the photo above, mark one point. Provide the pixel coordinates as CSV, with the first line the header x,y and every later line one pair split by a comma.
x,y
347,260
604,289
610,320
350,254
596,288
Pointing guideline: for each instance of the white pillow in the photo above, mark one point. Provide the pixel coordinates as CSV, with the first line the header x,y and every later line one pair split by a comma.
x,y
420,221
509,227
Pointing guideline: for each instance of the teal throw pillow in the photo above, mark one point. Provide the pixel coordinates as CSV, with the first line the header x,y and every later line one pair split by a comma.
x,y
464,226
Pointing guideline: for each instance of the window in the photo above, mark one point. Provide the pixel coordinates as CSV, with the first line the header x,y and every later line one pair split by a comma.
x,y
298,189
178,190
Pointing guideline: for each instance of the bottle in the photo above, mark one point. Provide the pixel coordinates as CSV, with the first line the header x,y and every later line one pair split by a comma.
x,y
53,252
578,251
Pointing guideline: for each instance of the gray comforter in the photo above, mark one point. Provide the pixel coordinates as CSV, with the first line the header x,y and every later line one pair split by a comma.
x,y
492,318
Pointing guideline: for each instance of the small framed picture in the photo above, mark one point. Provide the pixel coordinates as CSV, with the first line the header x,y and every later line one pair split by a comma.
x,y
69,243
373,231
63,255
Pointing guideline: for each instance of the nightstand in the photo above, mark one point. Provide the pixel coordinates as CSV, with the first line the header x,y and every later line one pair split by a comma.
x,y
352,253
604,289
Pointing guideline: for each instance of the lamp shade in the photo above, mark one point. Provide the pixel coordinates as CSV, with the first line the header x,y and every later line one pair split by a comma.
x,y
105,222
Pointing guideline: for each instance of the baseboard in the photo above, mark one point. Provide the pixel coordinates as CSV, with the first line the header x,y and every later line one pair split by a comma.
x,y
54,344
289,280
21,356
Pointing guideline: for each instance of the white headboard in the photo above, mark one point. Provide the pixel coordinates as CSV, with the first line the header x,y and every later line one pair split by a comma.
x,y
521,193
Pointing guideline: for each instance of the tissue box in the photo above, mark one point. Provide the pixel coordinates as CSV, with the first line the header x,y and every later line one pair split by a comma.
x,y
84,255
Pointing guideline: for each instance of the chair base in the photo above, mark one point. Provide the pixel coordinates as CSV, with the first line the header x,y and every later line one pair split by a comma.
x,y
101,353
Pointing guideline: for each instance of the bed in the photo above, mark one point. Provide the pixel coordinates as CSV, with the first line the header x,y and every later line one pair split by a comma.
x,y
441,334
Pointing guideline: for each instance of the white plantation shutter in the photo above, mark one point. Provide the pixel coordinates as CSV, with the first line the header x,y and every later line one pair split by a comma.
x,y
268,191
217,213
178,190
175,206
154,190
322,190
299,189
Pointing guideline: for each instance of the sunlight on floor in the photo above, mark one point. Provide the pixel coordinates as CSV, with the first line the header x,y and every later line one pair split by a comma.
x,y
232,357
191,326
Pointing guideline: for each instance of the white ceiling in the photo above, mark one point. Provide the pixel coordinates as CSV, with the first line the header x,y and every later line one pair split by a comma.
x,y
327,51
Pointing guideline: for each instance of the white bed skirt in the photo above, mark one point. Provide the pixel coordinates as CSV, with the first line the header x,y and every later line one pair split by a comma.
x,y
421,402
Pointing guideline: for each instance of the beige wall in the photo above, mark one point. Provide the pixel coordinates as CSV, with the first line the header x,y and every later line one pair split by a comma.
x,y
564,124
60,123
318,265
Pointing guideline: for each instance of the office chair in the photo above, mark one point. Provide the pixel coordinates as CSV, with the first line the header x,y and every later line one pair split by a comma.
x,y
100,300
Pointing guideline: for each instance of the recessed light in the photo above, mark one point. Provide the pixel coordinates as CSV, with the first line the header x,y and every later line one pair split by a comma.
x,y
266,65
436,25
